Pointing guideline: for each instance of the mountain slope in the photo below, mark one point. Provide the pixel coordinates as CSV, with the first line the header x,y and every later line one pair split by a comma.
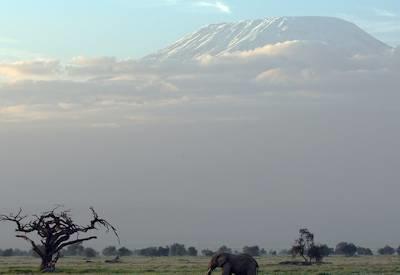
x,y
217,39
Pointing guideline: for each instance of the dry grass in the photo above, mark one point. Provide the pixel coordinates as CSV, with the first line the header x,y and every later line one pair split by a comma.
x,y
198,265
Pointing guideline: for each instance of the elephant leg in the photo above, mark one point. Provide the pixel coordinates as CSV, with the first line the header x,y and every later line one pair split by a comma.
x,y
227,269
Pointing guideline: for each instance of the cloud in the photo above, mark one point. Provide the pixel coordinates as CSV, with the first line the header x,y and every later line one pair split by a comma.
x,y
37,69
21,113
218,5
105,125
105,91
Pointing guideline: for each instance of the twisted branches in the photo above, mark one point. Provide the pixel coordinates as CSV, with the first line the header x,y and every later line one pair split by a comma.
x,y
56,230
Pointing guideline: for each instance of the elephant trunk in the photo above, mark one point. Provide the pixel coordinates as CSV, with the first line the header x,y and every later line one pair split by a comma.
x,y
209,271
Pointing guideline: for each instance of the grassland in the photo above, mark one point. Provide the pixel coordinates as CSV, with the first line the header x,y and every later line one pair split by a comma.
x,y
198,265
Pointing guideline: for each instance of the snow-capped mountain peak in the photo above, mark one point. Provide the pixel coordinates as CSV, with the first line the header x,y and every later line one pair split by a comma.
x,y
217,39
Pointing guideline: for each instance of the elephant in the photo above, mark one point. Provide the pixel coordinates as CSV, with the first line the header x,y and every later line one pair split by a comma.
x,y
242,264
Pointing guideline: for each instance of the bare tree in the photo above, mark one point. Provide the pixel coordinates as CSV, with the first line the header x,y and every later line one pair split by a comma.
x,y
55,230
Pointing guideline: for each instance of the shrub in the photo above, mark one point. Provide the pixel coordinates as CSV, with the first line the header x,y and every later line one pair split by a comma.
x,y
252,250
207,253
9,252
224,249
74,250
89,252
123,251
177,250
363,251
326,250
387,250
153,251
110,251
346,249
192,251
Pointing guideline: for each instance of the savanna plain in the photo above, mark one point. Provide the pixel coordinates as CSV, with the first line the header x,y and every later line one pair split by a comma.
x,y
198,265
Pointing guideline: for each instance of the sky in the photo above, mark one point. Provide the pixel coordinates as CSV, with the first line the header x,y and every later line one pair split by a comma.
x,y
134,28
241,148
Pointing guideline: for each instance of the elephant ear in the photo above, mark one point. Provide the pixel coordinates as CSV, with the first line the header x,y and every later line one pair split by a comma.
x,y
221,260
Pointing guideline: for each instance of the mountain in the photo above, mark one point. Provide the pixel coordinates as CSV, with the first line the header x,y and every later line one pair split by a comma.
x,y
217,39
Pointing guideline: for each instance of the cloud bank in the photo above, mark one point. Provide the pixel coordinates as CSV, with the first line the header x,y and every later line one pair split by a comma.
x,y
109,91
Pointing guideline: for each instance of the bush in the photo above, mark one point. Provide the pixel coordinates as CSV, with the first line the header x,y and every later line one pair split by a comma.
x,y
192,251
326,250
74,250
177,250
153,251
318,252
346,249
387,250
315,253
207,253
8,252
123,252
163,251
89,252
284,252
110,251
252,250
18,252
224,249
363,251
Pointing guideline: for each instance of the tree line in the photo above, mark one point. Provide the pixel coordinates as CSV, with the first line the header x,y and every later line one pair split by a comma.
x,y
58,235
343,248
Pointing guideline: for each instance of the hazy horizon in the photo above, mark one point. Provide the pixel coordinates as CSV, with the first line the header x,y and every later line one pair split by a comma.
x,y
244,147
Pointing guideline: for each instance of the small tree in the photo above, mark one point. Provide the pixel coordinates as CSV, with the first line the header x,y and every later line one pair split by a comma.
x,y
207,252
285,252
192,251
363,251
89,252
163,251
110,251
326,250
387,250
251,250
346,249
123,252
315,252
147,252
9,252
56,230
303,244
224,249
177,250
305,247
74,250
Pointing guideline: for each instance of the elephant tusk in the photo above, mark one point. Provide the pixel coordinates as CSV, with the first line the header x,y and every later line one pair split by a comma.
x,y
208,271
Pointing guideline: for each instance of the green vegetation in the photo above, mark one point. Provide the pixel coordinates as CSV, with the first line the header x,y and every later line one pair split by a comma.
x,y
198,265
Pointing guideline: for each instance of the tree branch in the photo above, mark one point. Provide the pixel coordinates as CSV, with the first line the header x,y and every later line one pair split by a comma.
x,y
34,246
74,242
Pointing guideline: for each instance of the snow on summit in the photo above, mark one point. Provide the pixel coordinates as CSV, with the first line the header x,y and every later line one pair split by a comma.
x,y
218,39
